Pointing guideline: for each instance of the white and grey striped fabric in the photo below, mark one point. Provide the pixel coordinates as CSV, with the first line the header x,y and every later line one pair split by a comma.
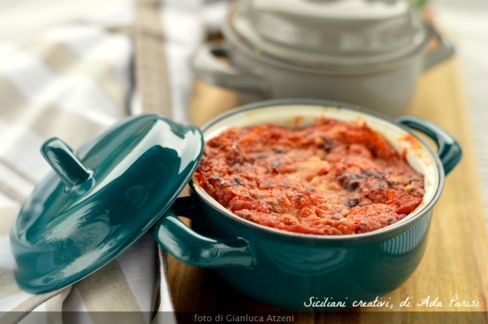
x,y
73,81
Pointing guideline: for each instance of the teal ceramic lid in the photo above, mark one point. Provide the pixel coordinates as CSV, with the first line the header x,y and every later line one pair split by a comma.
x,y
101,199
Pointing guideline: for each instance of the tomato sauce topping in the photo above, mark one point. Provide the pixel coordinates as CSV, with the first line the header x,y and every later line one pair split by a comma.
x,y
329,178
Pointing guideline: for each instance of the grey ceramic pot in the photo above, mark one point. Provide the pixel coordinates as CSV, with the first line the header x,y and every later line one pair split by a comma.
x,y
287,269
386,86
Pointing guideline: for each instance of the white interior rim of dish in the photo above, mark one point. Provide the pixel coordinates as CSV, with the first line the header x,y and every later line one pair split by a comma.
x,y
417,155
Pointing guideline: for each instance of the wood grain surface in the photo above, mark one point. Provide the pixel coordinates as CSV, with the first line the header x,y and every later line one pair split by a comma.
x,y
456,258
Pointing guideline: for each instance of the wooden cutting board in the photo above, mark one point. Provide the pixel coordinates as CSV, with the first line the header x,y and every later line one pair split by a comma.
x,y
456,258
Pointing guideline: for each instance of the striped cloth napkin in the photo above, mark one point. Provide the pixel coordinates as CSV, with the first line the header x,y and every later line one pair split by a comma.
x,y
73,81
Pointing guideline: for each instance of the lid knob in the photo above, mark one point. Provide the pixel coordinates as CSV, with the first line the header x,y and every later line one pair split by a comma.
x,y
64,162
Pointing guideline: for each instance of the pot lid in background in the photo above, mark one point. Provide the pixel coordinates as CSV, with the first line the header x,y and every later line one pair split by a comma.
x,y
101,199
329,33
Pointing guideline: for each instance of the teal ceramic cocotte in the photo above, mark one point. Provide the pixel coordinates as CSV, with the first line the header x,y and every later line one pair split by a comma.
x,y
125,182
